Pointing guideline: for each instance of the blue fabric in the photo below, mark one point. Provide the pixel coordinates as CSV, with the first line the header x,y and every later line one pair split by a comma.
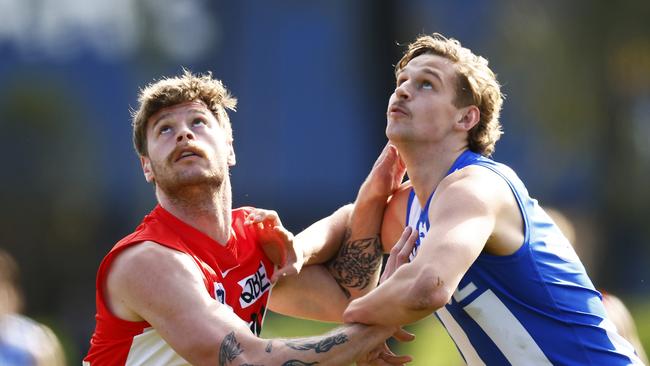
x,y
552,314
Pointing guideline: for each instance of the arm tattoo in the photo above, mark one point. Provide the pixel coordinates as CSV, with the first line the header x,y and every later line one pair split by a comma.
x,y
288,363
356,262
319,346
269,347
230,349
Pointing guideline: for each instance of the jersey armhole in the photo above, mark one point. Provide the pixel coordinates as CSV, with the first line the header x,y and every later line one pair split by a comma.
x,y
525,244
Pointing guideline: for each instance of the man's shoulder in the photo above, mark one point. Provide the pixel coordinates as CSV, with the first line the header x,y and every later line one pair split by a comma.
x,y
476,182
150,229
401,195
150,255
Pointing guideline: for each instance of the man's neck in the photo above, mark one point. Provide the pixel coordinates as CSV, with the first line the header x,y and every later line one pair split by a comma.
x,y
207,209
427,166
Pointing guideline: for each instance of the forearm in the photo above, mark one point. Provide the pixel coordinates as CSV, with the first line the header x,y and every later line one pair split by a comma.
x,y
312,294
341,346
357,264
403,299
321,240
235,345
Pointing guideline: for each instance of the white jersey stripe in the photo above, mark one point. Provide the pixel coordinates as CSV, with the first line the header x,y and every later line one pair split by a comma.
x,y
460,338
150,349
512,339
620,344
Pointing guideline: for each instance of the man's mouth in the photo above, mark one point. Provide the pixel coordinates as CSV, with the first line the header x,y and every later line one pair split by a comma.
x,y
395,109
187,153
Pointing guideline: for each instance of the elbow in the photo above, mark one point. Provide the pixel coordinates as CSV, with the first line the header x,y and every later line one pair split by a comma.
x,y
428,293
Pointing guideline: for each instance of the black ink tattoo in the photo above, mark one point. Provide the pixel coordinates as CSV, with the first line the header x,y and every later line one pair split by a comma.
x,y
230,349
320,346
356,262
269,347
298,363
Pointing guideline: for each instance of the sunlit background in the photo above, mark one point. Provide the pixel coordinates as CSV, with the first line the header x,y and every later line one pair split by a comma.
x,y
312,79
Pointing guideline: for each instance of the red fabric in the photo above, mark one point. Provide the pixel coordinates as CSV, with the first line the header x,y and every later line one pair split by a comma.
x,y
237,274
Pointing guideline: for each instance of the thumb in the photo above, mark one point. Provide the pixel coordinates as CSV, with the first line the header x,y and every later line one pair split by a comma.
x,y
287,270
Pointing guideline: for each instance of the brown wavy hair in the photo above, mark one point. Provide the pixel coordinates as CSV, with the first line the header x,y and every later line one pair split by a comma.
x,y
187,87
476,85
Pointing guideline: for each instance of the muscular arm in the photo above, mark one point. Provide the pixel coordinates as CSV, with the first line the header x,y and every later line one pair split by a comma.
x,y
321,240
318,294
312,294
351,236
165,288
357,265
463,218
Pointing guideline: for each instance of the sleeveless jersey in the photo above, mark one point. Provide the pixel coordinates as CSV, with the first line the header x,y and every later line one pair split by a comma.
x,y
237,275
534,307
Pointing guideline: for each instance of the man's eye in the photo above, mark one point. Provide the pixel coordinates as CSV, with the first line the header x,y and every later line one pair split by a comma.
x,y
164,129
426,85
198,122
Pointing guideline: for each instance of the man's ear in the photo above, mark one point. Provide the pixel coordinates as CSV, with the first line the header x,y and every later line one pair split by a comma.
x,y
146,169
231,154
469,117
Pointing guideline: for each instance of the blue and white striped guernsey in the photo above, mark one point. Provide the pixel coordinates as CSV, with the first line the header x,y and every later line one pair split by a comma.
x,y
534,307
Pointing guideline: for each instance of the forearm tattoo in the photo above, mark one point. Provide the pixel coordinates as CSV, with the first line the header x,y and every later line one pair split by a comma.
x,y
230,349
319,346
288,363
356,262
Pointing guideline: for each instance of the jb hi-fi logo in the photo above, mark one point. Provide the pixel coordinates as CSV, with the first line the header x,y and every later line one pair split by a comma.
x,y
253,287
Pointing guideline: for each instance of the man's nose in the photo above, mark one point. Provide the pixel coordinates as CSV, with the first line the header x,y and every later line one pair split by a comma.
x,y
184,133
402,91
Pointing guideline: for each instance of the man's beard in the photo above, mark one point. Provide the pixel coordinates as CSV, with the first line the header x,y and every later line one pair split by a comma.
x,y
180,184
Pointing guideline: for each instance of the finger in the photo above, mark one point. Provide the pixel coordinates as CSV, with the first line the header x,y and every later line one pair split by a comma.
x,y
280,274
407,248
382,155
289,269
403,336
400,162
258,215
403,239
283,234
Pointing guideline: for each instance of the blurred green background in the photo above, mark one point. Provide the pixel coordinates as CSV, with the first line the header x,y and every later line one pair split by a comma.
x,y
313,79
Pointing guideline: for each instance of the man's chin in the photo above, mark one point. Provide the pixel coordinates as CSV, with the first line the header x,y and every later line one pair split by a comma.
x,y
190,181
